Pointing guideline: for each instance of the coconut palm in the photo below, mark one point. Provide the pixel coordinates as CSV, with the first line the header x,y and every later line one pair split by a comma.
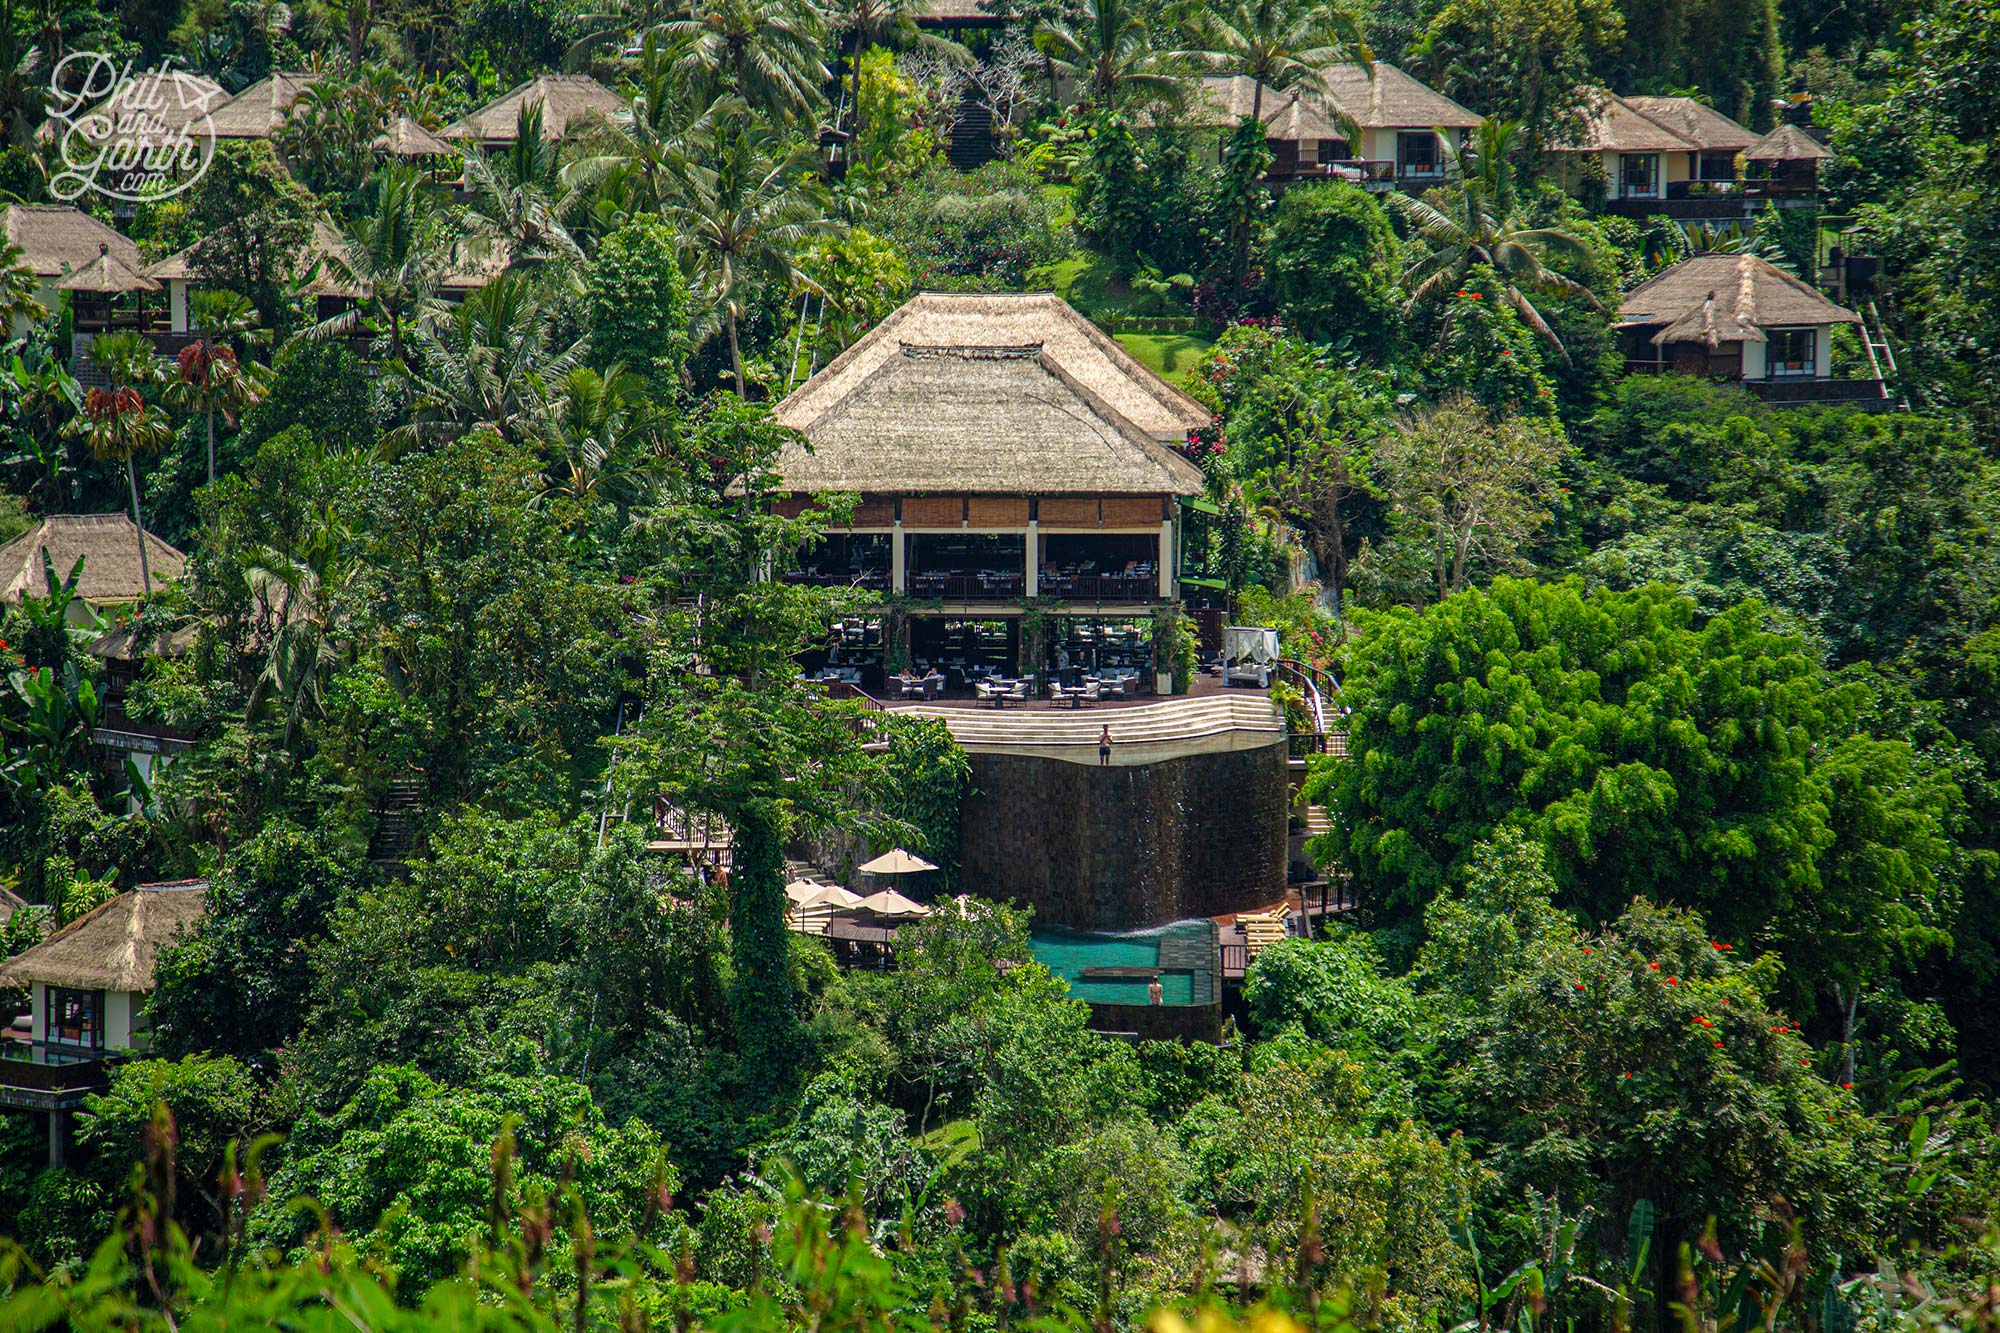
x,y
208,377
484,362
1278,44
1106,51
746,203
516,197
1473,223
18,285
766,52
592,426
634,161
122,423
305,592
391,251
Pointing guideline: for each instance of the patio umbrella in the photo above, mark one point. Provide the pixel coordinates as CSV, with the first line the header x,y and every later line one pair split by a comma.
x,y
801,889
891,903
829,895
898,862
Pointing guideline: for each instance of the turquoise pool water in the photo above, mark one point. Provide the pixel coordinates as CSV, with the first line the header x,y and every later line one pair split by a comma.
x,y
1067,953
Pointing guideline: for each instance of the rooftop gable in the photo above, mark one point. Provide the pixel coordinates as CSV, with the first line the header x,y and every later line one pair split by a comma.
x,y
107,544
112,947
259,110
1612,125
56,239
1698,123
1725,298
947,319
970,418
566,100
1392,99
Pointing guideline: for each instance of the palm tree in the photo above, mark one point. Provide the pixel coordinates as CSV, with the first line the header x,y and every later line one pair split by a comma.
x,y
766,52
18,285
484,362
47,413
746,203
391,251
1278,44
122,423
1107,50
23,82
208,377
516,194
1474,223
635,161
591,427
306,592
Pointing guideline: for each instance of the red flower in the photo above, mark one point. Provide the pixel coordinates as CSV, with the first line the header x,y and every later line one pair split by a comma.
x,y
1579,985
1673,981
1848,1086
1589,951
1718,1045
1653,967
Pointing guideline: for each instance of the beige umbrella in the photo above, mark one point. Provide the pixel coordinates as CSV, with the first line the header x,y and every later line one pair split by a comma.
x,y
830,896
801,889
891,903
898,862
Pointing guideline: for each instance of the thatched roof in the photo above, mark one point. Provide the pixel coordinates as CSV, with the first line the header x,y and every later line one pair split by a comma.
x,y
112,948
107,274
173,99
56,239
326,281
1226,99
1788,143
980,419
1703,126
128,644
1613,125
1077,348
406,138
1393,100
567,99
259,110
107,544
1715,299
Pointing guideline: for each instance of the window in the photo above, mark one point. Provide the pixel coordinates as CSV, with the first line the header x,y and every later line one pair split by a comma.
x,y
1330,150
1417,154
1791,352
1639,176
76,1017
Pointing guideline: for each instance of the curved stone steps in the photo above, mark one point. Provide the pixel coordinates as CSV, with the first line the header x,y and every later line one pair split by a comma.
x,y
1166,721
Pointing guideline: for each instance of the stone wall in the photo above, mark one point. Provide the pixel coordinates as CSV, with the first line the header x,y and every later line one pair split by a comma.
x,y
1128,846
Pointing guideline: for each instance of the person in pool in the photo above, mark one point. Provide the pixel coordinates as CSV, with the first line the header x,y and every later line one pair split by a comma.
x,y
1104,747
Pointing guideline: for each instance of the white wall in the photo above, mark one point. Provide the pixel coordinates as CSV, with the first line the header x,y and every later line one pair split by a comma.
x,y
1753,360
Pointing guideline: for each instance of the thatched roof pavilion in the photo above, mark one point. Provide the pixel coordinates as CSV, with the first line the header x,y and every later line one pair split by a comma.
x,y
1611,124
260,110
406,138
108,545
1788,143
111,948
56,239
567,100
107,275
1071,346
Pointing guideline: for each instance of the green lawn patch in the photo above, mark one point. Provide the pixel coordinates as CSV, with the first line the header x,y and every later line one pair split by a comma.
x,y
1174,355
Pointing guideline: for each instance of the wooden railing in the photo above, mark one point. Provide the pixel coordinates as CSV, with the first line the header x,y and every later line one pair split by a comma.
x,y
1099,587
992,586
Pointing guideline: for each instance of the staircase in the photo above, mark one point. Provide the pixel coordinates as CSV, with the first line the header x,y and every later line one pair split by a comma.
x,y
1318,821
1076,732
397,816
971,145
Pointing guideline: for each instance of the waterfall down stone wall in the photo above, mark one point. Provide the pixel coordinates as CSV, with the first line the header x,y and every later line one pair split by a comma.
x,y
1130,846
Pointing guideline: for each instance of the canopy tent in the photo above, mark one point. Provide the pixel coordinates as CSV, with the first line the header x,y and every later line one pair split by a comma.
x,y
897,862
891,903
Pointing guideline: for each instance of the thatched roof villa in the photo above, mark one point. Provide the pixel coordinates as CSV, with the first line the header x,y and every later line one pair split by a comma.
x,y
108,545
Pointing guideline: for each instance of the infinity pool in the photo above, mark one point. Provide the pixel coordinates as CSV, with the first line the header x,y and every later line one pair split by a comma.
x,y
1189,946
